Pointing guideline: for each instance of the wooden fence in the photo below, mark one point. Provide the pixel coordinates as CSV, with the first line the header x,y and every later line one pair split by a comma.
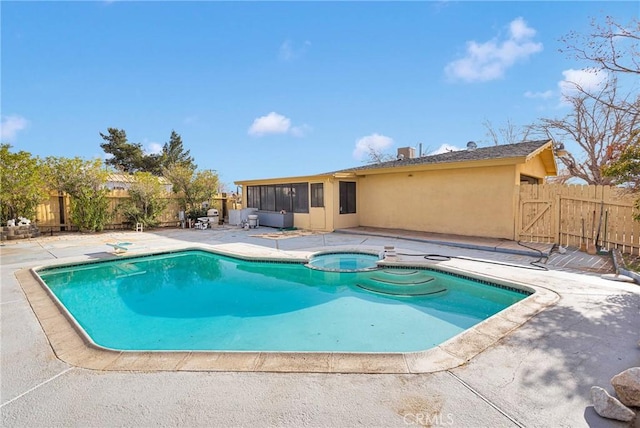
x,y
53,215
568,215
571,215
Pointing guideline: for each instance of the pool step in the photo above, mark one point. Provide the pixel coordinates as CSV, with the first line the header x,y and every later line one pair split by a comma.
x,y
401,272
129,269
411,290
402,283
405,282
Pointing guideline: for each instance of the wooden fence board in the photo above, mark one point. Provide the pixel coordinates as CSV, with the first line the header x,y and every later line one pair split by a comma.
x,y
567,206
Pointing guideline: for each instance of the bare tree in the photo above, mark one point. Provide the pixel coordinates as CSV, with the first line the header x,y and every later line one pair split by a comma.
x,y
595,127
375,155
562,177
612,46
508,134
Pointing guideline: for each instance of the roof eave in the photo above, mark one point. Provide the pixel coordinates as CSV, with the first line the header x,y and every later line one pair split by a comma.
x,y
442,165
547,156
295,179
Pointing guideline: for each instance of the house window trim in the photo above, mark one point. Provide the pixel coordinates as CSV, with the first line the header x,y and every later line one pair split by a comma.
x,y
348,197
290,197
317,196
528,179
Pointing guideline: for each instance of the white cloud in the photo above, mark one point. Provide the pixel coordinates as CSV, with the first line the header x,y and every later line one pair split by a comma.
x,y
543,95
589,79
444,149
273,123
154,148
490,60
300,131
11,125
520,31
288,51
375,142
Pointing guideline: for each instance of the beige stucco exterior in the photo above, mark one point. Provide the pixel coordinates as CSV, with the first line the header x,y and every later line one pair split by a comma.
x,y
457,201
475,198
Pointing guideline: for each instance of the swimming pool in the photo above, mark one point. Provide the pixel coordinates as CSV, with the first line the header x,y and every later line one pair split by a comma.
x,y
198,300
344,261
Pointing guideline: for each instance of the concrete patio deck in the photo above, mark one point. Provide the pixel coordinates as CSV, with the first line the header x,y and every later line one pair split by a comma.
x,y
538,375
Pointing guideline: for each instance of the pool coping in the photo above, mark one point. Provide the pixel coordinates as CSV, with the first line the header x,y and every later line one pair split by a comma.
x,y
70,343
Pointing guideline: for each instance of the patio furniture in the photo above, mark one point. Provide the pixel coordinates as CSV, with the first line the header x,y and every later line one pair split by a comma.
x,y
119,247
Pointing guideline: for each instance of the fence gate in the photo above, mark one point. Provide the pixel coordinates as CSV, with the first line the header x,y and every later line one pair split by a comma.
x,y
536,217
570,215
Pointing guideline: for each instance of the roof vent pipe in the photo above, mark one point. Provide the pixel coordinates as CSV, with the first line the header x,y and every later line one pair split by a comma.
x,y
471,146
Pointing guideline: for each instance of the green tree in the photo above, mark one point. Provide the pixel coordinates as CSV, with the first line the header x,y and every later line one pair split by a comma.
x,y
192,187
151,163
130,157
85,182
173,153
126,157
625,169
147,200
22,184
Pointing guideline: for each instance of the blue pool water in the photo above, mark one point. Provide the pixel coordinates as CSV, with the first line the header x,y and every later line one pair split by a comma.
x,y
344,261
195,300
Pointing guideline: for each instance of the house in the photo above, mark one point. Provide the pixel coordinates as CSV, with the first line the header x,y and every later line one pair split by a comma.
x,y
468,192
122,181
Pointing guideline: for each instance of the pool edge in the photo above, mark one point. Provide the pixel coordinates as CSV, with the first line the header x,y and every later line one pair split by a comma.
x,y
70,343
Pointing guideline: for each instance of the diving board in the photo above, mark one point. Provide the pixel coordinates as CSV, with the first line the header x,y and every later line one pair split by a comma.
x,y
119,247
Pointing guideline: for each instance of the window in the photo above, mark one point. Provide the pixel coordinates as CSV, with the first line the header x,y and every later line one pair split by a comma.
x,y
283,198
253,197
292,197
347,197
268,198
526,179
317,194
300,197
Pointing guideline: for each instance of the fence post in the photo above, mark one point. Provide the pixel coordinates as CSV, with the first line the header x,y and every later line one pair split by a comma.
x,y
518,211
556,219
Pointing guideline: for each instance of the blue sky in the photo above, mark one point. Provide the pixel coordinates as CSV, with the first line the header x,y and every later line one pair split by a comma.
x,y
277,89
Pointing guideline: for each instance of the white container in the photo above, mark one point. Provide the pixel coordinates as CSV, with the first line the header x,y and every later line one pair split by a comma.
x,y
253,221
235,217
213,217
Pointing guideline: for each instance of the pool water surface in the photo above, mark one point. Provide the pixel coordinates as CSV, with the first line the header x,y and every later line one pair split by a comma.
x,y
197,300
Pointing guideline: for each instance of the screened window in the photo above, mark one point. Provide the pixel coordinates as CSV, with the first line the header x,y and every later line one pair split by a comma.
x,y
317,195
267,198
253,197
283,198
300,197
347,197
293,197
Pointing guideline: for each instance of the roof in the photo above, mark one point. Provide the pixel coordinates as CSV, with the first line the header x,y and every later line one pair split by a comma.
x,y
118,177
501,154
505,151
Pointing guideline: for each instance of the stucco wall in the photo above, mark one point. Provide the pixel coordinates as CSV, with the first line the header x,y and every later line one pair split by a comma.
x,y
466,201
323,218
342,221
301,220
533,167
